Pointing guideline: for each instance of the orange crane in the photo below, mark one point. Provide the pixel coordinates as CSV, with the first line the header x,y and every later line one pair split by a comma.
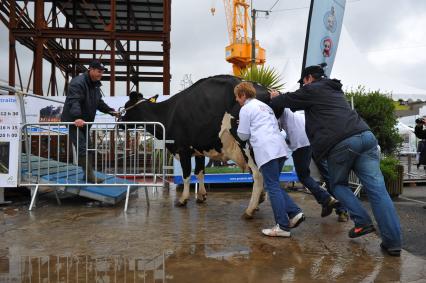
x,y
239,51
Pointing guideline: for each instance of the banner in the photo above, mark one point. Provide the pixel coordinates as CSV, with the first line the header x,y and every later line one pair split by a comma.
x,y
10,119
217,172
323,32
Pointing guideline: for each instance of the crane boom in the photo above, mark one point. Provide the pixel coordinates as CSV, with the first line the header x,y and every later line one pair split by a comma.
x,y
238,52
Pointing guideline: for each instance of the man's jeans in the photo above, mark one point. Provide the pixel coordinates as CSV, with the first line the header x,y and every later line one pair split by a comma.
x,y
323,169
302,159
282,205
359,153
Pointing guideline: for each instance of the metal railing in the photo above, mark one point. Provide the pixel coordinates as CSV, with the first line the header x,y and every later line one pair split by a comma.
x,y
123,153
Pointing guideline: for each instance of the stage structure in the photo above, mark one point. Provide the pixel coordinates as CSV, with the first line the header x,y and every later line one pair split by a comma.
x,y
132,38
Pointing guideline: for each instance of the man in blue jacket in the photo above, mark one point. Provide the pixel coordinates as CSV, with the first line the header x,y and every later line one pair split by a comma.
x,y
338,134
84,97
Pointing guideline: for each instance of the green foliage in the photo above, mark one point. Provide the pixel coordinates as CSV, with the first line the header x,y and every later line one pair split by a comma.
x,y
388,167
378,110
266,76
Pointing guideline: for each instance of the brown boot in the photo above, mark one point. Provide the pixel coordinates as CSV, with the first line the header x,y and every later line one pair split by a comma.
x,y
88,169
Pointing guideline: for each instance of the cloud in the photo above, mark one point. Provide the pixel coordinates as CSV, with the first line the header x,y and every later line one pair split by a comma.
x,y
389,37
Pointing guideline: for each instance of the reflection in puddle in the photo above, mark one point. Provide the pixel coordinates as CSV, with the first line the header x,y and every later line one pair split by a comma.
x,y
201,263
82,269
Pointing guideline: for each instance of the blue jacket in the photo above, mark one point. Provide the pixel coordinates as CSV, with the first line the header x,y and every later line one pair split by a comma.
x,y
83,99
329,117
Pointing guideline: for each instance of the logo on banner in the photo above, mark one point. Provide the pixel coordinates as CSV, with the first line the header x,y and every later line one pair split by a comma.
x,y
330,20
326,46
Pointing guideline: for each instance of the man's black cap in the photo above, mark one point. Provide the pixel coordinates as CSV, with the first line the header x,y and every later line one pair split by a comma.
x,y
97,65
311,70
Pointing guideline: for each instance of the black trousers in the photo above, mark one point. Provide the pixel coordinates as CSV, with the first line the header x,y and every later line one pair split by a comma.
x,y
79,138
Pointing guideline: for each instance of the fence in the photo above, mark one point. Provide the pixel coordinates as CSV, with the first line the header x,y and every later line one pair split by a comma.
x,y
122,153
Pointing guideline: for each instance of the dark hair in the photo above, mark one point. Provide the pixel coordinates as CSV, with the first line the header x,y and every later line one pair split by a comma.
x,y
317,76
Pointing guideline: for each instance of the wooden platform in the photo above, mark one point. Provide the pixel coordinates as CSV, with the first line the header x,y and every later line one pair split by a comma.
x,y
45,171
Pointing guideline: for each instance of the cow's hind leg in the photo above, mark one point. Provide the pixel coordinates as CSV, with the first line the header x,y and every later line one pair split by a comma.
x,y
185,162
199,172
258,194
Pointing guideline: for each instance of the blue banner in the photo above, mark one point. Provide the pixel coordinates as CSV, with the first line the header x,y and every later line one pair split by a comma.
x,y
228,172
323,32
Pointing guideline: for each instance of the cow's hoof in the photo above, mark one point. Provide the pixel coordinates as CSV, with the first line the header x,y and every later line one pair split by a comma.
x,y
181,204
202,199
247,216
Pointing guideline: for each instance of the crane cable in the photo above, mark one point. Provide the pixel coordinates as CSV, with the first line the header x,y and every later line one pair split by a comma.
x,y
274,5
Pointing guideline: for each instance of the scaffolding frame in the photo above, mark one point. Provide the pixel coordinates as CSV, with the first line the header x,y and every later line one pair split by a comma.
x,y
119,32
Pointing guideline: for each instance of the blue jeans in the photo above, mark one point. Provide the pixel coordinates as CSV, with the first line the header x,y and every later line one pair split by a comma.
x,y
302,159
359,153
323,169
282,205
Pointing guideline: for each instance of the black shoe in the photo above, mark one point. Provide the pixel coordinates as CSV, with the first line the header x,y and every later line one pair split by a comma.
x,y
327,208
361,230
391,251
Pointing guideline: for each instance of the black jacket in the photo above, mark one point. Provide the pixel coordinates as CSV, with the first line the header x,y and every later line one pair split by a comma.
x,y
421,147
83,99
329,117
420,132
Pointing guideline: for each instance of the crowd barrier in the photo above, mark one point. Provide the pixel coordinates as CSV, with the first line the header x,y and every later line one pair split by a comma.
x,y
121,153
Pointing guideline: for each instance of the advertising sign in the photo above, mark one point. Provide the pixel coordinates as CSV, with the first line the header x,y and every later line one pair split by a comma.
x,y
10,119
217,172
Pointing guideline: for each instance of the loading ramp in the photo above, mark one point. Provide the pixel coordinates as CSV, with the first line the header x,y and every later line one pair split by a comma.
x,y
47,171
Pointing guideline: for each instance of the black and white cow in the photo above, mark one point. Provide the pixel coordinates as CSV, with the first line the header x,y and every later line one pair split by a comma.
x,y
202,121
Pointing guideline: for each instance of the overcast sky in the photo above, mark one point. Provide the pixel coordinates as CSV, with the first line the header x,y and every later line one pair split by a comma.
x,y
383,43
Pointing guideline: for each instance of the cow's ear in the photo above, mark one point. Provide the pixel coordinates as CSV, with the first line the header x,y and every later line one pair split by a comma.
x,y
153,99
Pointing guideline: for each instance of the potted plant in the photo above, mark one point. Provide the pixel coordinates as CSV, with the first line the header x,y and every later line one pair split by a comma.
x,y
393,173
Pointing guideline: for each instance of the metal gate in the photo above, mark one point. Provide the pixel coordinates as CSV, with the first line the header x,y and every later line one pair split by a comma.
x,y
124,154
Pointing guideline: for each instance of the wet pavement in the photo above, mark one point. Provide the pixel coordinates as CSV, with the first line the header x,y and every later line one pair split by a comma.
x,y
83,241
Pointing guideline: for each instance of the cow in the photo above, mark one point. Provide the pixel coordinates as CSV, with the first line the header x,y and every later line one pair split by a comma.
x,y
202,121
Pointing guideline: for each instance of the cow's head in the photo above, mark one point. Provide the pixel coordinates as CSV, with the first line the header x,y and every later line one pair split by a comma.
x,y
130,111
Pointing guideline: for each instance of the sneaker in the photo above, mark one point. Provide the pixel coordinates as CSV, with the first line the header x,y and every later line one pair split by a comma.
x,y
296,220
343,216
327,209
276,231
361,230
391,251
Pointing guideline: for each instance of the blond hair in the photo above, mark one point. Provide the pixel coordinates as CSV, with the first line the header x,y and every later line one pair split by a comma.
x,y
245,88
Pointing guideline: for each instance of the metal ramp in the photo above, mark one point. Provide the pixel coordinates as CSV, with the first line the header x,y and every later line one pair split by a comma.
x,y
47,171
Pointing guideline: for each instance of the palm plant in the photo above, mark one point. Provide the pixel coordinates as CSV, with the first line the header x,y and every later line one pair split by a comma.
x,y
266,76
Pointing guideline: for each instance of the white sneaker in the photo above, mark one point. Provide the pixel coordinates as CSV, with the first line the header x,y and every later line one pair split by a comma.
x,y
296,220
276,231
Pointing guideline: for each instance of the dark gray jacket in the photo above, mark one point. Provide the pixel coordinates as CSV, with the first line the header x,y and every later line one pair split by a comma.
x,y
83,99
329,117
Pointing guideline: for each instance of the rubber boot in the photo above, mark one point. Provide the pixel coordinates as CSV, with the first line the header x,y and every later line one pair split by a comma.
x,y
91,177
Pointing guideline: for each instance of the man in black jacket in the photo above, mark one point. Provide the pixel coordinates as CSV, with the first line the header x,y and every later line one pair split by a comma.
x,y
338,134
83,99
420,133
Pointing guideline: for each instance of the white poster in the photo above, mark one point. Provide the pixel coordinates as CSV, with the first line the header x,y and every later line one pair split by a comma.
x,y
10,119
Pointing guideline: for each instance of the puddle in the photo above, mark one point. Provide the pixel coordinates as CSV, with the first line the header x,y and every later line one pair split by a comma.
x,y
200,243
202,263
